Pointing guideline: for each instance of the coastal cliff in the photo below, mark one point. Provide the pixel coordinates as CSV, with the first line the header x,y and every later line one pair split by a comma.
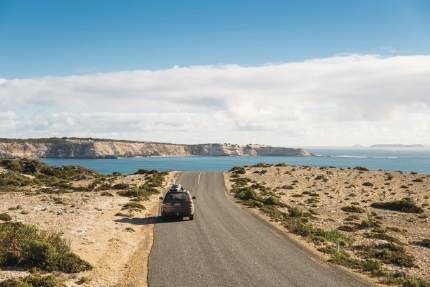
x,y
100,148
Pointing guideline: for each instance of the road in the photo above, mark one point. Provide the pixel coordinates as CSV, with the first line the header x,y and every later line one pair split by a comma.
x,y
226,246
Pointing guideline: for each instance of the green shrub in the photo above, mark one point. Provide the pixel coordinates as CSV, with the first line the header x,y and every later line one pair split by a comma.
x,y
271,200
106,193
5,217
353,208
246,193
320,177
347,228
238,170
374,267
143,192
121,186
344,259
361,168
34,280
25,245
329,249
241,181
281,164
404,205
424,243
295,212
133,206
263,165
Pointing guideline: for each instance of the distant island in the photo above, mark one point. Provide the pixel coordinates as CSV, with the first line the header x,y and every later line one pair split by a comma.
x,y
105,148
397,146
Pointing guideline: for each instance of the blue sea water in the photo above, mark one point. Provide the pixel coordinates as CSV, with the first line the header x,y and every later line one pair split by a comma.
x,y
406,160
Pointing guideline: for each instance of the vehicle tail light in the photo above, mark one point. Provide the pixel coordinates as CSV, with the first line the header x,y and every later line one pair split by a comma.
x,y
164,203
191,202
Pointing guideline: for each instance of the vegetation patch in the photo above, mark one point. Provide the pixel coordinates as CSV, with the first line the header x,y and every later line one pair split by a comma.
x,y
133,206
423,243
26,246
5,217
36,280
404,205
353,208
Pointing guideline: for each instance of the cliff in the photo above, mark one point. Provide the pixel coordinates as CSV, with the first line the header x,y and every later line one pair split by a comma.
x,y
96,148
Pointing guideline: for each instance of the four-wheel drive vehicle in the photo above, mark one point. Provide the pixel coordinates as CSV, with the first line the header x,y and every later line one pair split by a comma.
x,y
177,202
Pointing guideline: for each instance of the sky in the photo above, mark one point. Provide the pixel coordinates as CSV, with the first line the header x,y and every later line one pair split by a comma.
x,y
283,73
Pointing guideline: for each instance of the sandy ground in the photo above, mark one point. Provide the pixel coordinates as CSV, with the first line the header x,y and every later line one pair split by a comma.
x,y
116,246
324,191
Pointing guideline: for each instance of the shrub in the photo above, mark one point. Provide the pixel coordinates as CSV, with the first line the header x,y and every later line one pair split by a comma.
x,y
345,259
121,186
241,181
133,206
5,217
353,208
272,200
25,245
263,165
238,170
424,243
404,205
35,280
367,183
295,212
246,193
106,193
347,228
374,267
281,164
143,192
361,168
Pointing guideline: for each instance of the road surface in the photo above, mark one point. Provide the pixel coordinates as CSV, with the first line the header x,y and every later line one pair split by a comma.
x,y
226,246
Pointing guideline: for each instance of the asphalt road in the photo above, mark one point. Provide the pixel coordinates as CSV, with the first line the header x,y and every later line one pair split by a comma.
x,y
226,246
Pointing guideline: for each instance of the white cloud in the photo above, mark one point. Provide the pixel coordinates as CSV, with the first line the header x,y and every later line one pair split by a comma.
x,y
340,100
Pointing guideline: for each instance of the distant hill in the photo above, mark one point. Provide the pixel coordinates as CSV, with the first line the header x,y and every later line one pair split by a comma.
x,y
103,148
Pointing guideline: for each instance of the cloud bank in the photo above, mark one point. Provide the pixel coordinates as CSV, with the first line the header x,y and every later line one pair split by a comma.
x,y
342,100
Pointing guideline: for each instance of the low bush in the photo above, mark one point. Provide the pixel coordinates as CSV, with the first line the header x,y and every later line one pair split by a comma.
x,y
423,243
344,259
143,192
241,181
238,170
403,205
353,208
247,193
133,206
280,164
35,280
120,186
5,217
26,246
261,164
361,168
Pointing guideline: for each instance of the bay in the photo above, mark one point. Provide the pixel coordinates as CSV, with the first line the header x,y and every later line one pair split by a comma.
x,y
406,160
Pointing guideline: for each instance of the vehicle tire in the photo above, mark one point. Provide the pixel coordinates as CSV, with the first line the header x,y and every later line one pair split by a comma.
x,y
163,218
192,217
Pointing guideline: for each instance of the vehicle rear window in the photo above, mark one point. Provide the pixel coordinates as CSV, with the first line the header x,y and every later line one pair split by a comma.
x,y
177,196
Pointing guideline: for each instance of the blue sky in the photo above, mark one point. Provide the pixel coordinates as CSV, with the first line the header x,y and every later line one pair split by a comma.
x,y
217,71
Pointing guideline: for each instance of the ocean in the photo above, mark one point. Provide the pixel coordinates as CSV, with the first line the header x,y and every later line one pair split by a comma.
x,y
401,159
